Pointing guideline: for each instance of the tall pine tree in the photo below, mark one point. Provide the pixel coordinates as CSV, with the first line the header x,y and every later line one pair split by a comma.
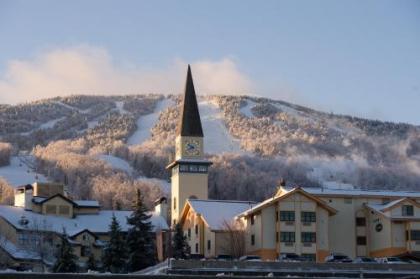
x,y
140,242
180,247
66,261
115,254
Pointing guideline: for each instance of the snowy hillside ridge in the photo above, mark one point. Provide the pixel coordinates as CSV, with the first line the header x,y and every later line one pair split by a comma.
x,y
265,139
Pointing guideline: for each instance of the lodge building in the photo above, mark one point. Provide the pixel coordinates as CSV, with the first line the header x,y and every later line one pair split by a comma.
x,y
311,222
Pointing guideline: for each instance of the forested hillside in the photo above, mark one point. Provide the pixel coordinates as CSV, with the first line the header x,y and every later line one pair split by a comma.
x,y
104,147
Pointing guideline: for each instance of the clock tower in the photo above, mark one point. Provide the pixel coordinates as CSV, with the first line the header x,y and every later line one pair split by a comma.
x,y
189,178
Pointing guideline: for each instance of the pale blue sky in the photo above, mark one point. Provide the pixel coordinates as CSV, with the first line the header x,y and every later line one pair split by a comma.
x,y
353,57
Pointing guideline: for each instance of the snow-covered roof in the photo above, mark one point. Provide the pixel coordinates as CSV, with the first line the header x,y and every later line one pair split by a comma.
x,y
356,192
87,203
382,207
96,223
16,252
216,212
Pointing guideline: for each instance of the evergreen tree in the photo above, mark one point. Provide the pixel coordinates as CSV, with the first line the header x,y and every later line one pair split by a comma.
x,y
180,245
66,262
91,265
139,238
115,254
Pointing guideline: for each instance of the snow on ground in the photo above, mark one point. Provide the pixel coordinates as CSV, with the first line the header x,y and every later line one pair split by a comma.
x,y
72,108
117,163
120,107
217,138
146,122
50,124
18,173
247,110
165,186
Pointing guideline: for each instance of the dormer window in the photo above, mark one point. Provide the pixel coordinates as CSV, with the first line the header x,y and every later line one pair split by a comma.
x,y
407,210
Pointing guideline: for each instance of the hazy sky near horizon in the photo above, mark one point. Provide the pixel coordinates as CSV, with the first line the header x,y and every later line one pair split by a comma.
x,y
350,57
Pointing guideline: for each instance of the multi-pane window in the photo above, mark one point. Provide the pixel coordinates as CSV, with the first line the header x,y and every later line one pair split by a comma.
x,y
308,216
253,239
193,168
361,222
64,209
361,240
407,210
85,251
51,209
308,237
415,235
287,216
287,236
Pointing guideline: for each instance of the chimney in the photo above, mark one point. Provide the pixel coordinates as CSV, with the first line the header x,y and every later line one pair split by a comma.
x,y
161,207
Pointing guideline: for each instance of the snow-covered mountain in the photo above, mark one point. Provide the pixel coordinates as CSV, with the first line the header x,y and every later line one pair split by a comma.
x,y
266,139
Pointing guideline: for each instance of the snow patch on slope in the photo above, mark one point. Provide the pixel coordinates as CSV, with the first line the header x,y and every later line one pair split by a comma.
x,y
120,107
164,185
117,163
19,173
247,109
146,122
217,138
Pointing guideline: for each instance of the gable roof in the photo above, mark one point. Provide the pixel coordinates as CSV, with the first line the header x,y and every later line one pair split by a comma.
x,y
281,195
41,200
216,212
383,208
190,123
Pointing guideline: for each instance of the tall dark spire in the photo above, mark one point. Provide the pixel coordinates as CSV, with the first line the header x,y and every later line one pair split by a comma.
x,y
190,123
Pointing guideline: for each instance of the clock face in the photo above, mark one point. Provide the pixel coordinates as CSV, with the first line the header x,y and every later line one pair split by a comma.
x,y
192,147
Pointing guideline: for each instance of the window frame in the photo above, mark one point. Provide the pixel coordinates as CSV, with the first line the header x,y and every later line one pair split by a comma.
x,y
308,216
287,216
308,237
287,237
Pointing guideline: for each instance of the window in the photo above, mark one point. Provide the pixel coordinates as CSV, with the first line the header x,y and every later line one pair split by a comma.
x,y
360,221
196,247
252,219
252,239
309,257
361,240
277,216
308,237
193,168
415,235
174,203
407,210
277,237
288,216
183,168
85,251
287,237
208,244
308,216
51,209
196,229
64,209
189,233
202,168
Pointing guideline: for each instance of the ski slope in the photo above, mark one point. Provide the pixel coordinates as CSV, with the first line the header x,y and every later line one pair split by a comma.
x,y
18,173
217,138
146,122
117,163
247,109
